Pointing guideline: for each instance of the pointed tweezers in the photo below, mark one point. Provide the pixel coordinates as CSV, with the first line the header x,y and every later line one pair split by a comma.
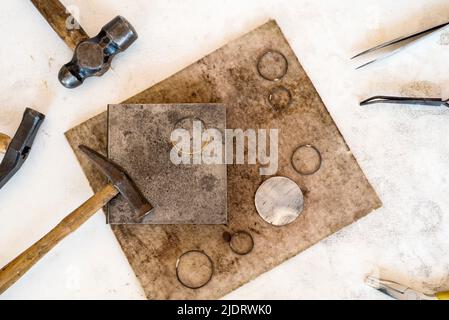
x,y
396,41
435,102
396,290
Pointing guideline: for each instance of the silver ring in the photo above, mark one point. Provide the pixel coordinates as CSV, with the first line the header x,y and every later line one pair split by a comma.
x,y
228,238
265,76
211,265
276,90
307,173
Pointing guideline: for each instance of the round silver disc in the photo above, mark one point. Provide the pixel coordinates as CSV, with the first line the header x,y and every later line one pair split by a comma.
x,y
279,201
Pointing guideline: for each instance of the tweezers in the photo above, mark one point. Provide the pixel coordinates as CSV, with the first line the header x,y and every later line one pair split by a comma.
x,y
391,43
434,102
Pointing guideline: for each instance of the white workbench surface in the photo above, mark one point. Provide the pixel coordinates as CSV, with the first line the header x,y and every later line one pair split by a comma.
x,y
403,151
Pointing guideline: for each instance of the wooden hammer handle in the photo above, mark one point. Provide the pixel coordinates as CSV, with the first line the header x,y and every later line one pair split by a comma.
x,y
20,265
4,142
58,18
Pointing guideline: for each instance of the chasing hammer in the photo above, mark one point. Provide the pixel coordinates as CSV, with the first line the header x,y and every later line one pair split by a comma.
x,y
120,184
92,56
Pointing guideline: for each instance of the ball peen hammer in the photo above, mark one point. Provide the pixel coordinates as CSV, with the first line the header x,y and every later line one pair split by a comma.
x,y
120,184
92,56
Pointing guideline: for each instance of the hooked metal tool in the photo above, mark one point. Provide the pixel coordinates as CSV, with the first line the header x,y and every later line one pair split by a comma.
x,y
406,41
120,184
18,149
401,292
92,56
433,102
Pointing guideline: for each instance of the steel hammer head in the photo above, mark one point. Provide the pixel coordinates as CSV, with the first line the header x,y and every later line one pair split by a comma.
x,y
20,146
93,57
121,181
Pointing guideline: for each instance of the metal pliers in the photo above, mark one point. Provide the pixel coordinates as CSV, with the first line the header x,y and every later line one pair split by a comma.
x,y
402,292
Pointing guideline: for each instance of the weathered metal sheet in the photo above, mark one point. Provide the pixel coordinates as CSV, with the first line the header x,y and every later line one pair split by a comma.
x,y
335,196
139,140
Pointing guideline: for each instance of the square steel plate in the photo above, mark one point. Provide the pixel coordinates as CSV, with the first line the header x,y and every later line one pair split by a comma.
x,y
139,140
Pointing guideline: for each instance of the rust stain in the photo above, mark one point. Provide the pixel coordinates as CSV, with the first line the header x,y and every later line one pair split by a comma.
x,y
421,89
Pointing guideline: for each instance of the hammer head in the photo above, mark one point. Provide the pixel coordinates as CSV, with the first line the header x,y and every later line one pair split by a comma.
x,y
20,146
93,57
121,181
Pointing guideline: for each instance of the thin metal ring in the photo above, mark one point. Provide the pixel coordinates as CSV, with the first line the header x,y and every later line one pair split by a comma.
x,y
241,232
211,264
204,127
308,173
277,89
193,119
275,52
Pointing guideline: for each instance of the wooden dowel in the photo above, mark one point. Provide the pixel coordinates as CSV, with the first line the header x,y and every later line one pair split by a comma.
x,y
20,265
57,16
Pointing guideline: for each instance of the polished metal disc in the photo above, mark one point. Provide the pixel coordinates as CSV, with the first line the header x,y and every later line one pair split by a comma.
x,y
279,201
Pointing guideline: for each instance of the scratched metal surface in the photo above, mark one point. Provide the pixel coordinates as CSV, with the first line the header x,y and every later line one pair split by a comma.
x,y
139,141
336,196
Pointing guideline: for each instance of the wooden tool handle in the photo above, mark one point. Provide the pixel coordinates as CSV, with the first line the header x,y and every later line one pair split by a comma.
x,y
4,142
17,268
58,18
